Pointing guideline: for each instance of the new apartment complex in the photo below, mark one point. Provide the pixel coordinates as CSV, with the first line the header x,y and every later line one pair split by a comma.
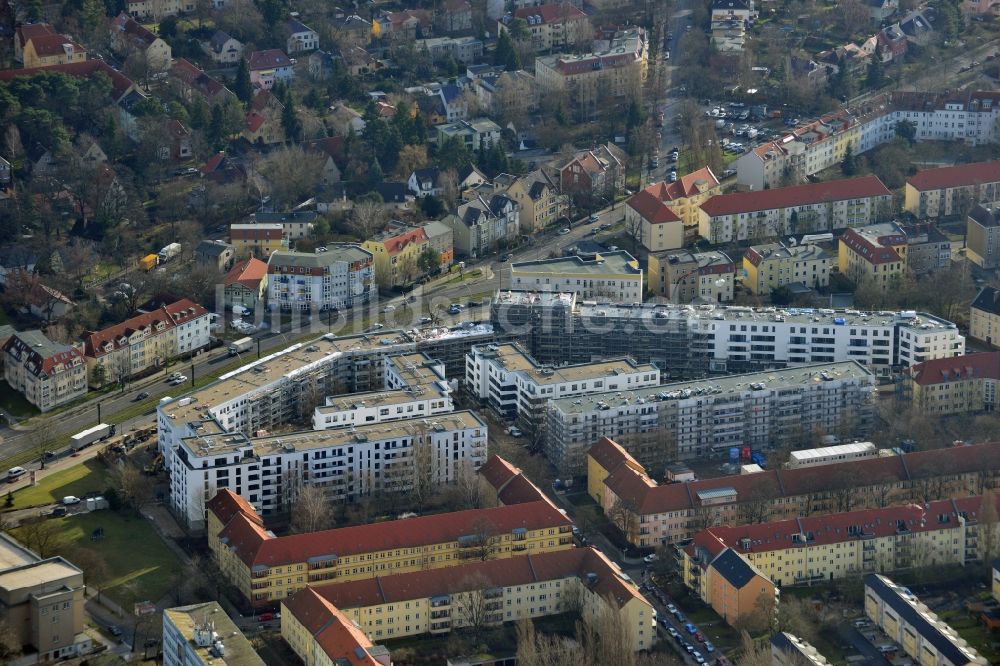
x,y
614,277
691,420
778,265
343,411
951,190
347,463
962,385
671,512
203,634
46,373
969,117
924,636
810,549
684,277
146,341
687,341
265,568
514,385
437,601
807,208
340,277
594,82
42,601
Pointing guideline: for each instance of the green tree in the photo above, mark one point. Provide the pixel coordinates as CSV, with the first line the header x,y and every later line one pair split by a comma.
x,y
290,121
906,129
636,115
241,84
452,154
216,134
849,166
431,206
875,77
198,114
429,260
505,53
168,27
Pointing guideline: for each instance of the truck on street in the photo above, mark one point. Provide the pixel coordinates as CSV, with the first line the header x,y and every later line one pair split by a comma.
x,y
241,345
169,252
91,435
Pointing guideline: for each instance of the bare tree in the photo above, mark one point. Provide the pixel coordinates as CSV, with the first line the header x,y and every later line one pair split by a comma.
x,y
469,486
479,606
10,643
291,173
367,218
40,535
134,490
753,653
989,532
483,543
311,510
448,182
424,467
606,637
623,516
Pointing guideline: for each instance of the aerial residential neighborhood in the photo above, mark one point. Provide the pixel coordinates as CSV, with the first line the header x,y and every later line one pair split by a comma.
x,y
604,333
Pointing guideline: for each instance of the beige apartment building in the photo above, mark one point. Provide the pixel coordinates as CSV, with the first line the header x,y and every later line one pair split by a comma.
x,y
950,190
683,276
874,254
46,373
683,197
960,385
540,201
42,602
984,316
778,265
982,237
596,82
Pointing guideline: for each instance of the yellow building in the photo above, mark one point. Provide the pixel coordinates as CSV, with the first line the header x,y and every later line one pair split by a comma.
x,y
491,592
48,50
776,265
984,316
257,240
540,202
925,637
819,548
960,385
731,585
266,568
874,254
683,276
951,190
683,197
321,635
396,252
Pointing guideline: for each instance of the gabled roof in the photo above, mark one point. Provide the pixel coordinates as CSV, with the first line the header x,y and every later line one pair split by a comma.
x,y
609,454
120,84
736,570
987,300
510,483
51,45
295,26
268,59
651,208
138,35
194,77
982,365
212,248
336,634
331,146
509,572
220,39
226,504
955,176
248,273
31,30
872,251
256,548
798,195
398,243
39,355
159,320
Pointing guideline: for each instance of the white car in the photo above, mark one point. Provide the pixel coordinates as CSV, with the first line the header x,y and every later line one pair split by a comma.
x,y
180,379
649,559
70,500
563,231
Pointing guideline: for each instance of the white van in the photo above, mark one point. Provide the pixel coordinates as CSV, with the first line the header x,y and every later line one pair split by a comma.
x,y
15,473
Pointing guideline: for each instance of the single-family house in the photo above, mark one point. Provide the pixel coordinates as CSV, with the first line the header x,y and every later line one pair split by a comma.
x,y
246,283
331,149
131,39
269,66
300,37
216,254
223,48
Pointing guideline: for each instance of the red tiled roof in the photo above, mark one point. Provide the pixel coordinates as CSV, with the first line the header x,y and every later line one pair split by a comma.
x,y
508,572
166,317
262,100
32,30
255,550
944,370
609,454
693,183
226,504
213,163
636,488
956,176
651,208
139,34
341,639
194,77
512,486
332,146
50,45
840,527
554,13
873,254
397,244
254,121
799,195
268,59
120,84
248,273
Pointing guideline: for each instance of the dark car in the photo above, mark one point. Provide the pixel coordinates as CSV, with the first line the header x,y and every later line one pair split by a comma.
x,y
141,396
115,631
58,511
505,258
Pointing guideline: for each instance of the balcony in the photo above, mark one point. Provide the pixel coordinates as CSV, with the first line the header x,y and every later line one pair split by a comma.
x,y
437,615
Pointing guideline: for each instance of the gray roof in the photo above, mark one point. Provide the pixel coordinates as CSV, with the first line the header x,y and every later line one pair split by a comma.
x,y
336,253
987,300
435,229
610,263
293,216
212,248
736,570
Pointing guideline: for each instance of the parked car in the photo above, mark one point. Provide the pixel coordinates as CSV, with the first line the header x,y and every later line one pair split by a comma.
x,y
115,631
672,609
681,617
505,258
673,632
425,320
709,647
700,637
649,559
691,629
454,310
515,432
594,218
70,500
58,511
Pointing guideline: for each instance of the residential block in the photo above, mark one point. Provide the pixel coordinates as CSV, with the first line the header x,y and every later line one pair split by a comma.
x,y
685,277
46,373
951,190
984,316
961,385
613,277
774,265
340,277
266,569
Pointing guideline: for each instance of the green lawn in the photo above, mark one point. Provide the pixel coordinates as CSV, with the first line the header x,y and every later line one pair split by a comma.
x,y
4,319
976,634
78,480
137,565
13,402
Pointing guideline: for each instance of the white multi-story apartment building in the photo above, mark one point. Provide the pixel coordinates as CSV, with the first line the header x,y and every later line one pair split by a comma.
x,y
380,406
792,210
925,637
514,385
689,420
346,462
203,634
46,373
340,277
614,277
146,341
970,117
